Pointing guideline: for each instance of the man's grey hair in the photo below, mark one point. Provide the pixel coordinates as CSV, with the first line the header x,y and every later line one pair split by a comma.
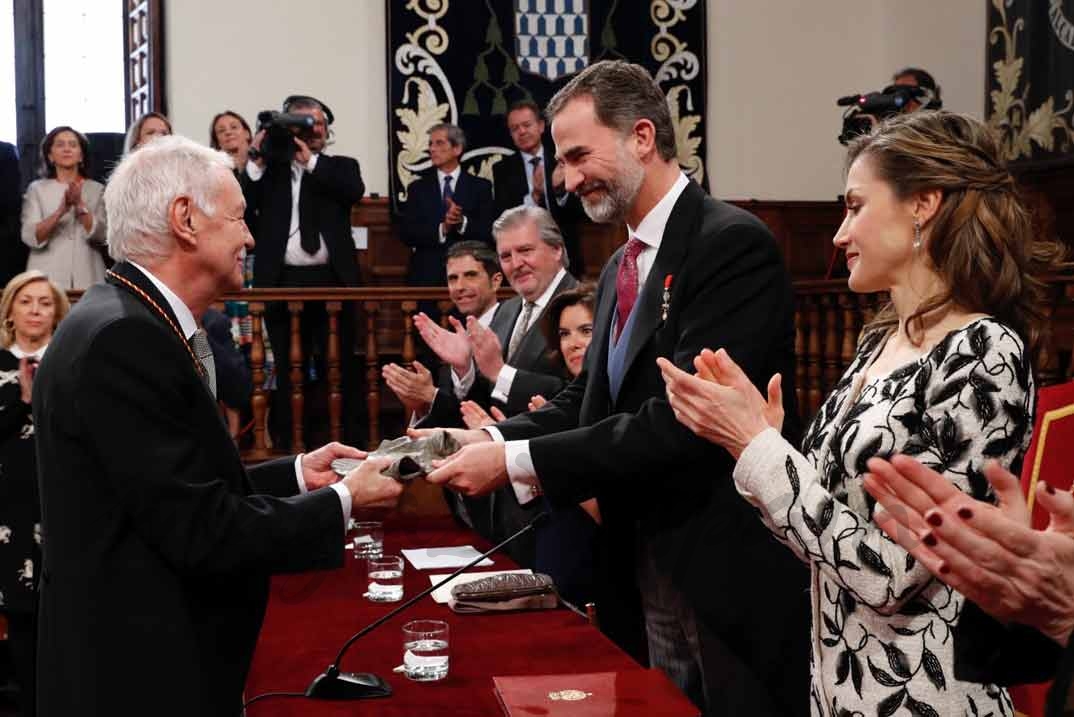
x,y
547,228
622,94
143,186
455,135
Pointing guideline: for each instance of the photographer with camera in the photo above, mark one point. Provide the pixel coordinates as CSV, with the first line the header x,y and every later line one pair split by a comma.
x,y
912,89
303,199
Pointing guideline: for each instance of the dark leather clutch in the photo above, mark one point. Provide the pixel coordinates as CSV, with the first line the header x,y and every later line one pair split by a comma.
x,y
509,591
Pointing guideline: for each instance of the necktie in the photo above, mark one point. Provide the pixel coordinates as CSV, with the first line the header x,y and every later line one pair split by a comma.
x,y
448,193
520,329
626,282
199,342
309,237
537,179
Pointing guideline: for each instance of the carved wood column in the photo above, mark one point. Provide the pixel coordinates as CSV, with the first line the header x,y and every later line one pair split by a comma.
x,y
372,372
335,377
259,399
298,400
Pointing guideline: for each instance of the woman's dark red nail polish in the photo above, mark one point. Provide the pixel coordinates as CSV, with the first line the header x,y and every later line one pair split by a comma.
x,y
1048,487
944,570
934,519
929,539
965,513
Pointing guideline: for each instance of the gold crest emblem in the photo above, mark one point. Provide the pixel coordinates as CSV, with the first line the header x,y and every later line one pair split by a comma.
x,y
569,695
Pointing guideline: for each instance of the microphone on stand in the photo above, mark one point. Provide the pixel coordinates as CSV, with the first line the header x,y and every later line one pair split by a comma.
x,y
335,685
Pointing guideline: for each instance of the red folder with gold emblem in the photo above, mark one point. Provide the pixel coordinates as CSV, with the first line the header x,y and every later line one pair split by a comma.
x,y
632,693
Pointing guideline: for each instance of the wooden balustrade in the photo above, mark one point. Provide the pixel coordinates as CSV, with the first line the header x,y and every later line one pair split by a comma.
x,y
828,321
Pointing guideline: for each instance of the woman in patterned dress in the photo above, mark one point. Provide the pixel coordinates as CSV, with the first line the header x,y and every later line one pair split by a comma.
x,y
943,374
31,306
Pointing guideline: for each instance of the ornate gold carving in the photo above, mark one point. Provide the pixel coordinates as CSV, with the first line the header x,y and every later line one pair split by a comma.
x,y
417,122
686,146
569,695
1018,126
678,63
431,11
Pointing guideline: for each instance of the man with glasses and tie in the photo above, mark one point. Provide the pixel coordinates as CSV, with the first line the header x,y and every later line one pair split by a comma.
x,y
160,543
446,205
720,602
529,177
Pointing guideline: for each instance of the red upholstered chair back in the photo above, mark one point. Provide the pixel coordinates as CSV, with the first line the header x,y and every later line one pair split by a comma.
x,y
1050,458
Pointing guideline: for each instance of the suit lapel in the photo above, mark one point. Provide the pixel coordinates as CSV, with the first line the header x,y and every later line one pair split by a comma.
x,y
533,344
504,321
668,260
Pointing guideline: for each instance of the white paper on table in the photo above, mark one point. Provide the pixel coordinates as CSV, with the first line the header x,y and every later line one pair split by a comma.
x,y
443,593
455,557
360,235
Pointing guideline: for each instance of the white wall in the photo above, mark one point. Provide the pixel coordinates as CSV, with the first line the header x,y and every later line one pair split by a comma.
x,y
248,55
775,69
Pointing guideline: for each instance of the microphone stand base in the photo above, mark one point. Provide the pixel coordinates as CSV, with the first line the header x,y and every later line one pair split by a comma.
x,y
332,685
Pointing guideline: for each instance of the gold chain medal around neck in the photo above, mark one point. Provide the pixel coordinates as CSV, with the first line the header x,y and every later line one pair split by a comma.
x,y
148,300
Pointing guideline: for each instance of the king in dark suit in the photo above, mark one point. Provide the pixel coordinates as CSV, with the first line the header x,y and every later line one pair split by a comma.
x,y
723,605
444,206
160,544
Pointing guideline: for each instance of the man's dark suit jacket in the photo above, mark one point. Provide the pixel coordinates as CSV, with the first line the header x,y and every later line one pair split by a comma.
x,y
160,545
650,474
326,198
510,185
422,214
13,252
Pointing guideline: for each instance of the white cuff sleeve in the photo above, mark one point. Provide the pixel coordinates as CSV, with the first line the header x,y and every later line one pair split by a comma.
x,y
462,227
464,384
520,471
416,418
253,171
312,163
502,389
339,487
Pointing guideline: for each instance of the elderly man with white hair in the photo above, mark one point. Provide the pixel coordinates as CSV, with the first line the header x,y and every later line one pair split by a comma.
x,y
160,544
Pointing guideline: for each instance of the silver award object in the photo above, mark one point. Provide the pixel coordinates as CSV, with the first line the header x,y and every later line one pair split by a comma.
x,y
413,457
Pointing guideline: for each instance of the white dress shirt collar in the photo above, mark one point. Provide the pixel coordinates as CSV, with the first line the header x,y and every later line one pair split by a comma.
x,y
454,174
486,318
20,354
651,228
527,157
543,299
187,324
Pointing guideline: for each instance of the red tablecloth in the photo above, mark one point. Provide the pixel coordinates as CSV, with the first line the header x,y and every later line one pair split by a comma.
x,y
310,616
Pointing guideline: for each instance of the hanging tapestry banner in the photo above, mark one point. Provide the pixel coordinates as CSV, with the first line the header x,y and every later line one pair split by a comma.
x,y
466,61
1031,77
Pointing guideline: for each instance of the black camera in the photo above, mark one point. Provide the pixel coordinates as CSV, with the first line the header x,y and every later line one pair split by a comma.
x,y
280,130
864,111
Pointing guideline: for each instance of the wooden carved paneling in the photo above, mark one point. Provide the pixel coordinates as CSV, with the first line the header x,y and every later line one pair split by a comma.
x,y
144,69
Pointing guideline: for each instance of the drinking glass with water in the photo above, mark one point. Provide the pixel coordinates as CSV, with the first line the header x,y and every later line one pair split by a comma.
x,y
385,579
368,539
426,650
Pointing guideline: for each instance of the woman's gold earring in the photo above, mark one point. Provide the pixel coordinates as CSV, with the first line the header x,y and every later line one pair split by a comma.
x,y
917,235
